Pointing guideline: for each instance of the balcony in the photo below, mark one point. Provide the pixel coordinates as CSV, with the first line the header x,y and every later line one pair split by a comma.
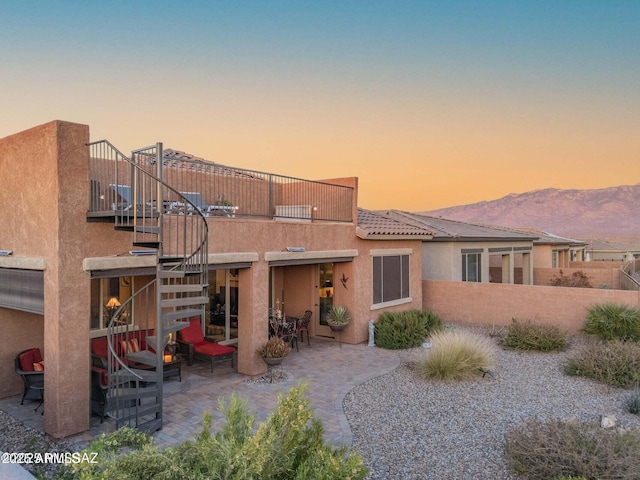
x,y
218,191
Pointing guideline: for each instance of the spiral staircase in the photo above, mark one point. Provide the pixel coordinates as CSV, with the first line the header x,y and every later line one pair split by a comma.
x,y
163,306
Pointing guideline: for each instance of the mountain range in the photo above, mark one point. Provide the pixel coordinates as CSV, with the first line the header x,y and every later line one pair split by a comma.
x,y
608,213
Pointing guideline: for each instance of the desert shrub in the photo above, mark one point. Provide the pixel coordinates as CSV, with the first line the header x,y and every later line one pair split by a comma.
x,y
525,335
613,321
288,445
615,363
456,355
556,449
633,402
398,330
577,279
274,348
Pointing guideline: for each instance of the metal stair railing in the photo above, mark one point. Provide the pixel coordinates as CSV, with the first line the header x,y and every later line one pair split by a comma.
x,y
181,283
628,279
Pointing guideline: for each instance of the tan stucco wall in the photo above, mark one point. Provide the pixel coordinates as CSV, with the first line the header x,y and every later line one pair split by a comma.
x,y
46,179
497,304
299,282
542,257
598,277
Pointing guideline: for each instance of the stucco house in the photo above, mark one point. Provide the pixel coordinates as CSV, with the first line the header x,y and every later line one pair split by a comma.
x,y
611,251
467,252
99,244
555,251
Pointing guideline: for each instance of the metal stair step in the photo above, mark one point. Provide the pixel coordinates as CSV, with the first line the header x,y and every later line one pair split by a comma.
x,y
150,426
143,356
174,326
184,301
147,244
171,274
147,229
171,259
149,376
184,313
167,328
182,288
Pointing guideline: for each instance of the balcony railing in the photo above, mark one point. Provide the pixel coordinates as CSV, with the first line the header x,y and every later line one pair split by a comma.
x,y
629,279
221,191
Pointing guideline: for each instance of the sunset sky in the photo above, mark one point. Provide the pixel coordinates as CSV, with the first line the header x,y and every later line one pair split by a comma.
x,y
430,103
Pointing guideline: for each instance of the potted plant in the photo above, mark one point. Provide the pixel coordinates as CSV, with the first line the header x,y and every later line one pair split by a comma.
x,y
338,318
274,351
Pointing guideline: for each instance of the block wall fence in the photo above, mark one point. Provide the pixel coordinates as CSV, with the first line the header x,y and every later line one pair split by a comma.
x,y
497,304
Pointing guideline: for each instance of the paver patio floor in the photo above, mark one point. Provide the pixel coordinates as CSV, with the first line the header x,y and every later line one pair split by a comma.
x,y
330,369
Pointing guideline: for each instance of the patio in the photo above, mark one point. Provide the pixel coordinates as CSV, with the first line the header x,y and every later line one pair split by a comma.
x,y
330,369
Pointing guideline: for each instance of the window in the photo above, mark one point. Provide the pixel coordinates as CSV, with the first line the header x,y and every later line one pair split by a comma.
x,y
22,290
471,267
390,278
107,294
554,259
222,321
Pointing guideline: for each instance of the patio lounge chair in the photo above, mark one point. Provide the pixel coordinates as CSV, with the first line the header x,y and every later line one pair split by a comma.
x,y
203,207
124,192
192,343
25,364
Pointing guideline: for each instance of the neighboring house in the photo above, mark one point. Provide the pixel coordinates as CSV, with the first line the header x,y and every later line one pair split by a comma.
x,y
554,251
91,231
468,252
606,250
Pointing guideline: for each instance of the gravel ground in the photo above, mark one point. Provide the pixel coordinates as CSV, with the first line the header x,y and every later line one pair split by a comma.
x,y
17,437
410,428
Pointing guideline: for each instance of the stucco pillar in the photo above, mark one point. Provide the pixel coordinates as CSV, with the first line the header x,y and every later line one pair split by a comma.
x,y
527,271
253,330
67,289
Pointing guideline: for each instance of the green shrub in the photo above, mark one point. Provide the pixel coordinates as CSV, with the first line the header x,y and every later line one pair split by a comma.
x,y
613,321
633,402
530,336
398,330
456,355
615,363
556,449
288,445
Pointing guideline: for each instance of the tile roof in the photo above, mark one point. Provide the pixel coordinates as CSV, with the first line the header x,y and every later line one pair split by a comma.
x,y
546,238
178,159
609,245
374,225
453,230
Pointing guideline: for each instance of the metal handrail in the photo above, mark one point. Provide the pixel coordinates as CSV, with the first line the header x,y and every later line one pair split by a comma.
x,y
627,281
232,192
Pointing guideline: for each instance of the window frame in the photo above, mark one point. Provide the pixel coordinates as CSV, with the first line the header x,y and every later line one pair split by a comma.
x,y
396,288
466,264
105,290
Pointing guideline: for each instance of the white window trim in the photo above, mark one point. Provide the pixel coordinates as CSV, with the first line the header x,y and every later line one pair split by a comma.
x,y
392,303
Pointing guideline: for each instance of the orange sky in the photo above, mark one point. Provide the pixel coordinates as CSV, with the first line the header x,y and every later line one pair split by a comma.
x,y
430,105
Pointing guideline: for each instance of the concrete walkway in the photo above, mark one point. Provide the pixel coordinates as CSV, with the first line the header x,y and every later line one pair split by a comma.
x,y
330,369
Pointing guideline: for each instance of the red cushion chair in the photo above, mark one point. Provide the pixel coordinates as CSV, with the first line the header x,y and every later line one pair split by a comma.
x,y
192,342
33,380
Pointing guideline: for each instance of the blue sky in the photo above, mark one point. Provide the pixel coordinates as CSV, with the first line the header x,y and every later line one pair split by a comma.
x,y
430,104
